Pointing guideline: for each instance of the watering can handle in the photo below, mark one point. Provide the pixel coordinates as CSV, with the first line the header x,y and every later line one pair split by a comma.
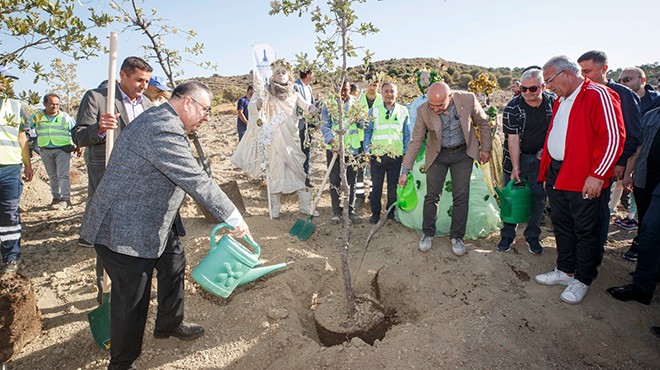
x,y
219,226
513,183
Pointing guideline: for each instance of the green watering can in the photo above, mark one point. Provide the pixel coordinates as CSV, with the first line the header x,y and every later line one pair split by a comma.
x,y
406,197
515,202
229,264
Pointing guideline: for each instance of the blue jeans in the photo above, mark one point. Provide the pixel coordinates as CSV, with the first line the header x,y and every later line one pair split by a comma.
x,y
10,222
529,170
57,163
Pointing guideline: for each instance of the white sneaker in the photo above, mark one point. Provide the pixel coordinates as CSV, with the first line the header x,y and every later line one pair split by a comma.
x,y
574,292
425,243
554,277
457,246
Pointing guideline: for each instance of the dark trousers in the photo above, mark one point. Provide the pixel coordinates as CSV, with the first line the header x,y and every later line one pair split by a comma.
x,y
335,183
648,247
460,164
131,290
10,221
390,167
241,128
577,225
604,214
305,146
529,170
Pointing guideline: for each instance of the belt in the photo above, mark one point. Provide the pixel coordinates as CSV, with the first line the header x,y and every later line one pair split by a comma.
x,y
453,147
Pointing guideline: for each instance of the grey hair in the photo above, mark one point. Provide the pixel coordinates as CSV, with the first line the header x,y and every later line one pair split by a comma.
x,y
562,62
191,88
532,74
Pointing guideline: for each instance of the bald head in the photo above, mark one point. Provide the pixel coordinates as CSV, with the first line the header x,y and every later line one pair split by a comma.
x,y
439,95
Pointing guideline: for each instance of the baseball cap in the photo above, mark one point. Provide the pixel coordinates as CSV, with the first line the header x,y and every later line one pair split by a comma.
x,y
4,71
159,82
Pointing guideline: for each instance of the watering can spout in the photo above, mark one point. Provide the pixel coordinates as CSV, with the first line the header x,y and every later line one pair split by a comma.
x,y
258,272
498,192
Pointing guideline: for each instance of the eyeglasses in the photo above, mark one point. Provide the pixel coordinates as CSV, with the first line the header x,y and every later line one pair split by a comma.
x,y
207,110
549,80
531,88
628,79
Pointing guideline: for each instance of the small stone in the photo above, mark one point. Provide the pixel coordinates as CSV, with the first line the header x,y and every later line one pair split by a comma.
x,y
278,313
265,325
357,342
60,274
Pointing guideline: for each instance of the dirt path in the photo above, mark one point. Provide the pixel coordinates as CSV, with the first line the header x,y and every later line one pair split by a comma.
x,y
482,310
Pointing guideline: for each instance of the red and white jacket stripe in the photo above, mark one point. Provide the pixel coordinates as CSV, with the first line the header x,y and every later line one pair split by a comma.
x,y
594,138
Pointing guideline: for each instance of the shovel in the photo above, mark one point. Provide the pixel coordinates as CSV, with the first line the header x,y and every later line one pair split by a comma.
x,y
303,229
99,318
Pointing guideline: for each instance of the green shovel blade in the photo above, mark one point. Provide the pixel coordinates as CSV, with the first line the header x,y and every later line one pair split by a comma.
x,y
99,322
303,229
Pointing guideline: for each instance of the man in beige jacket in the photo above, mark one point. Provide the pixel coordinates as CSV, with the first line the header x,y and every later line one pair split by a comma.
x,y
447,121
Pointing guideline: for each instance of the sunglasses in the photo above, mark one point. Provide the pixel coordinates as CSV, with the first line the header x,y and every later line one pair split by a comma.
x,y
531,88
628,79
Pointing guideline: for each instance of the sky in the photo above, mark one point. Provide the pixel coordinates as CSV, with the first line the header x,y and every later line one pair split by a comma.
x,y
506,33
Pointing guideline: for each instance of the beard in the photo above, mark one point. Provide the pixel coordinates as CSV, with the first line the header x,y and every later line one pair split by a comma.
x,y
280,90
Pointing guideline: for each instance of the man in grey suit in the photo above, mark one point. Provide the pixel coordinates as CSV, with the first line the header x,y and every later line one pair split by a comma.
x,y
130,217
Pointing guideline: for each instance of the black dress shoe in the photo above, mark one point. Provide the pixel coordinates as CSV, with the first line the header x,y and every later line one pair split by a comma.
x,y
308,183
183,332
630,292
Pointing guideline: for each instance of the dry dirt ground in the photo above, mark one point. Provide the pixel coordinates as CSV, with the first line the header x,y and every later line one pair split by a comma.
x,y
482,310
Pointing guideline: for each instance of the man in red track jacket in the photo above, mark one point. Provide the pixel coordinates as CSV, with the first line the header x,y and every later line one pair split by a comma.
x,y
584,141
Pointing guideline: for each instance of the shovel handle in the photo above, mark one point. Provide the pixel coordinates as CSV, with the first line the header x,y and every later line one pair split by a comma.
x,y
325,181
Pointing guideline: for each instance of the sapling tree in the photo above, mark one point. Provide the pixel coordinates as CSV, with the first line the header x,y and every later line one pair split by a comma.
x,y
337,21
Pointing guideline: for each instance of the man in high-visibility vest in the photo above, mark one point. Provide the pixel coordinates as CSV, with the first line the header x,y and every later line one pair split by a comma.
x,y
14,151
352,144
53,129
386,141
366,101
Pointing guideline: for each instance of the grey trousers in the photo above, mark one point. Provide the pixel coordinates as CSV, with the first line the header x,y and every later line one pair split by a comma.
x,y
57,163
460,165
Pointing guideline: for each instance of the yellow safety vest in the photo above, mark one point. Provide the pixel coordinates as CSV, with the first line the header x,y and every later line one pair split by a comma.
x,y
378,101
352,136
10,116
388,129
51,132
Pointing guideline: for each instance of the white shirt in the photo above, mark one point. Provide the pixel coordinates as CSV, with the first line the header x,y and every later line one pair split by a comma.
x,y
557,136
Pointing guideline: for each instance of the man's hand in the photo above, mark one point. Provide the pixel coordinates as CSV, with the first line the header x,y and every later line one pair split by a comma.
x,y
515,174
260,103
313,109
628,183
592,187
403,180
241,230
107,122
28,174
484,157
79,151
618,173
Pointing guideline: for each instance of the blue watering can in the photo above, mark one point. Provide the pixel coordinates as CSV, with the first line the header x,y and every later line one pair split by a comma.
x,y
229,264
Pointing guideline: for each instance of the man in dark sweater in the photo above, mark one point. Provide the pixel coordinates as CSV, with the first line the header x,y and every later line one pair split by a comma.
x,y
594,66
